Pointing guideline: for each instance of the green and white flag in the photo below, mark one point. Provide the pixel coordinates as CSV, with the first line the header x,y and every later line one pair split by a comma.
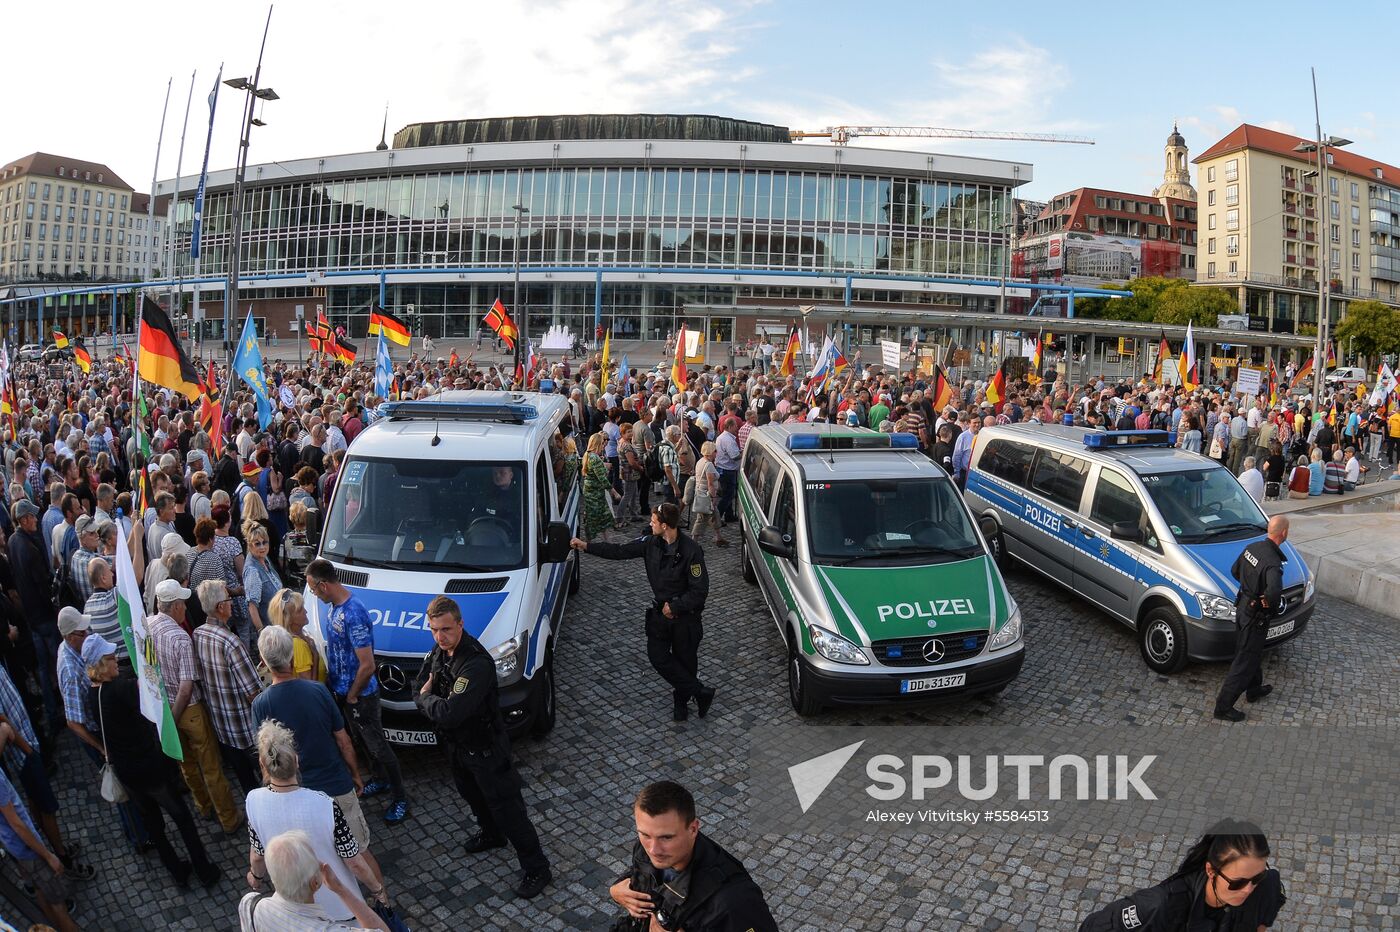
x,y
155,705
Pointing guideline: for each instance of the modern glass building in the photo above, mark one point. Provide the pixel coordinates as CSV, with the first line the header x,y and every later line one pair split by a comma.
x,y
632,221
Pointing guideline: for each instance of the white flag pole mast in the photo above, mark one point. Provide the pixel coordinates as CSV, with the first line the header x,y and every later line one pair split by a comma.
x,y
175,201
155,171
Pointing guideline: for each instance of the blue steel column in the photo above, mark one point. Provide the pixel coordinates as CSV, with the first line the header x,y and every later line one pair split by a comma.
x,y
115,295
846,324
382,277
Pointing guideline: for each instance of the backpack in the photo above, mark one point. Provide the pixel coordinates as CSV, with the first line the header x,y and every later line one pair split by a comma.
x,y
651,465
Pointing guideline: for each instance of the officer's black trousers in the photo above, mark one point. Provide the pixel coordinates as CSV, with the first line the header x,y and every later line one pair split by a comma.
x,y
1245,675
673,648
490,785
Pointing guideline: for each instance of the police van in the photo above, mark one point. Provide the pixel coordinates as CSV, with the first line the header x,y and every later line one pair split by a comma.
x,y
881,586
465,494
1141,529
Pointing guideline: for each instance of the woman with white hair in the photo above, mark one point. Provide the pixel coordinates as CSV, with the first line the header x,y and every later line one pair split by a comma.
x,y
299,877
284,805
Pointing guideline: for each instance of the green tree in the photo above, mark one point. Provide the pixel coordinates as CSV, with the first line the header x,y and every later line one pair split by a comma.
x,y
1370,328
1182,304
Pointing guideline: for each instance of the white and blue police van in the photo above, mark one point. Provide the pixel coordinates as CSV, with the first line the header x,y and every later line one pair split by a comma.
x,y
1145,531
465,494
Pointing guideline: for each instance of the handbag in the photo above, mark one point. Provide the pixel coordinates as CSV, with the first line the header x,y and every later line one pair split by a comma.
x,y
1216,450
391,918
112,789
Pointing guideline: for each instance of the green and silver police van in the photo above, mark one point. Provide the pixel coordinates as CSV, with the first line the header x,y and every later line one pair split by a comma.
x,y
880,582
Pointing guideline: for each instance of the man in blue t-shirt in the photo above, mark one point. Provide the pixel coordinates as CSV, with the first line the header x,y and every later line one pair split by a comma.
x,y
350,676
37,864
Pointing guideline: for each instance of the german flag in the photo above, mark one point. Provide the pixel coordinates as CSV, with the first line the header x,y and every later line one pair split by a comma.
x,y
1033,376
344,350
393,327
160,359
1163,351
680,375
59,340
794,347
942,391
211,410
83,358
498,320
996,388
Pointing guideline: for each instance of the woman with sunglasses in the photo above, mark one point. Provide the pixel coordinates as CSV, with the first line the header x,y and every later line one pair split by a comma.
x,y
1224,884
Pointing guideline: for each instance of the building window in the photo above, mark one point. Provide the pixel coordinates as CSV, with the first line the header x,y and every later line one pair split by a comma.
x,y
1356,237
1210,173
1210,221
1355,214
1336,210
46,190
1355,191
1336,233
1336,260
1232,170
1356,262
1210,270
1210,198
1232,244
1232,219
1210,245
1232,194
1234,267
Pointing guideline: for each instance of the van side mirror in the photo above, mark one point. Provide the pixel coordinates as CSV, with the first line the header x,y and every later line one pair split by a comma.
x,y
556,543
1127,530
771,540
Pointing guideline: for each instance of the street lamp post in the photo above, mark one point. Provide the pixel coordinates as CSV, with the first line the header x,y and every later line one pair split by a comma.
x,y
1324,281
252,94
522,317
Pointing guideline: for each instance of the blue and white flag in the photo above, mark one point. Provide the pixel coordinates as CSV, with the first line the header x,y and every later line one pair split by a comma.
x,y
248,363
622,371
204,172
383,368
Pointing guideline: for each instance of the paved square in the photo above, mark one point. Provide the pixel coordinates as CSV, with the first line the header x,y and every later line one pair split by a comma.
x,y
615,734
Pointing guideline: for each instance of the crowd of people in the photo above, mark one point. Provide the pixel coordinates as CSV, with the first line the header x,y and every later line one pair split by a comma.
x,y
273,730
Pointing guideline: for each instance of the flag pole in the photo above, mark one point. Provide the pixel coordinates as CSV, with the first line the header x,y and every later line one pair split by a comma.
x,y
155,172
175,201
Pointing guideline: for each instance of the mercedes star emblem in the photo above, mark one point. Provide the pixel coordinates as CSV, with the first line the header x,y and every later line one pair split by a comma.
x,y
933,650
392,678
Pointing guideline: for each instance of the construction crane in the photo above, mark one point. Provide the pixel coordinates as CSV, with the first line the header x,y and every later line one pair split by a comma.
x,y
840,135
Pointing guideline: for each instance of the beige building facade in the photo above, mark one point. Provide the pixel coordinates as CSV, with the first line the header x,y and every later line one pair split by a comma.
x,y
66,219
1268,231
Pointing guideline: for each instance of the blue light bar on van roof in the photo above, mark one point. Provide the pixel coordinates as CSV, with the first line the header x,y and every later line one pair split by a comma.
x,y
509,412
813,443
1107,439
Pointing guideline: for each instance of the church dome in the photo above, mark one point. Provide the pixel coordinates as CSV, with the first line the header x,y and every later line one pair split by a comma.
x,y
1176,139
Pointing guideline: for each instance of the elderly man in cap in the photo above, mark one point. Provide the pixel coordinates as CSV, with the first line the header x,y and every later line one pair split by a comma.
x,y
174,650
171,561
87,552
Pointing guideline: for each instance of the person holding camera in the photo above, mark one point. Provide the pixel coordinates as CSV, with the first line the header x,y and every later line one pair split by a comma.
x,y
456,690
1259,570
1224,883
681,879
680,582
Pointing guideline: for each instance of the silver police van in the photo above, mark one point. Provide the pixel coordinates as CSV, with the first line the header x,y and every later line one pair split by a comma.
x,y
875,573
1141,529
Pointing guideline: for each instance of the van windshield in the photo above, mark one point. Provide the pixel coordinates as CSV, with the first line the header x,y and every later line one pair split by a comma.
x,y
428,515
1205,505
894,522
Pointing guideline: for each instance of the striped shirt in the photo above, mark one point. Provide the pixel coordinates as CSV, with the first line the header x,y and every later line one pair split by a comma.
x,y
101,607
230,682
275,914
175,654
666,455
13,708
74,684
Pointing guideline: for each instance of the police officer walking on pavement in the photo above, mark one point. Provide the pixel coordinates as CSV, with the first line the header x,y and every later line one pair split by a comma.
x,y
679,582
1259,570
456,690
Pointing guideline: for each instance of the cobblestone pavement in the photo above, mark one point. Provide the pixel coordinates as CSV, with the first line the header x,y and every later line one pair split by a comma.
x,y
614,735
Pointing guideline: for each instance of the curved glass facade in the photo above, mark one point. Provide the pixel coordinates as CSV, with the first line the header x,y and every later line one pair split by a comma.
x,y
656,217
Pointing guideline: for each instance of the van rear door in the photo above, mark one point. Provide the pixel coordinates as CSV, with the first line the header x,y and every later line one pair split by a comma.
x,y
1053,526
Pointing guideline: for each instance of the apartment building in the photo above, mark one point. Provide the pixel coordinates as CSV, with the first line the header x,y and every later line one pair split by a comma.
x,y
1271,234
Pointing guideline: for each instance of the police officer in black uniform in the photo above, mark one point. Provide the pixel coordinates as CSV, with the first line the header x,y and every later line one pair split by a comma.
x,y
1259,570
679,582
1224,884
681,878
456,690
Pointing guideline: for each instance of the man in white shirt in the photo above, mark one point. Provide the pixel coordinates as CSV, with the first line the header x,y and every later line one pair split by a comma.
x,y
1353,471
1252,480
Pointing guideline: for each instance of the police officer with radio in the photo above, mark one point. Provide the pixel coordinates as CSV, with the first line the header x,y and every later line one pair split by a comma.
x,y
1259,570
680,582
456,690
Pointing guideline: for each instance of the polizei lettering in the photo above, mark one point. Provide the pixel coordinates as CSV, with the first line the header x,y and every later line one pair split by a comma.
x,y
932,609
387,618
1048,520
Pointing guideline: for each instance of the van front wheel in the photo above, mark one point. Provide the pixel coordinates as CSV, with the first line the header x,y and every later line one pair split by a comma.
x,y
1162,637
545,711
995,545
804,703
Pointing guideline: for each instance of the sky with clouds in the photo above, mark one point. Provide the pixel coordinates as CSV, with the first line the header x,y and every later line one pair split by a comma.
x,y
87,80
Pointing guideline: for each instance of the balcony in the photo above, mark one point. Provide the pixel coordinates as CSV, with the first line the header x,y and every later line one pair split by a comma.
x,y
1309,187
1310,263
1231,200
1309,212
1290,182
1290,232
1310,237
1290,208
1290,258
1232,175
